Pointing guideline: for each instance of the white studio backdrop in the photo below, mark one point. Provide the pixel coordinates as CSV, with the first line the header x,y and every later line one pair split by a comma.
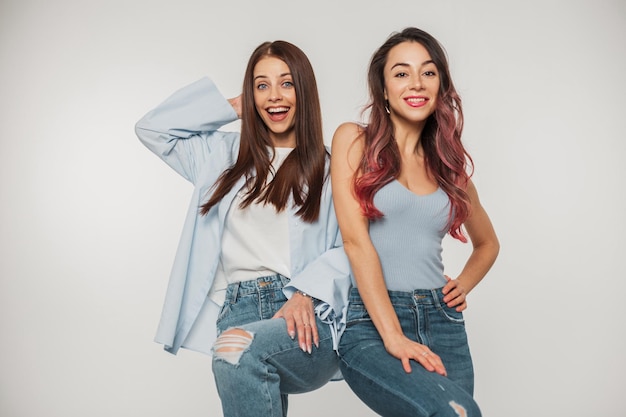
x,y
90,219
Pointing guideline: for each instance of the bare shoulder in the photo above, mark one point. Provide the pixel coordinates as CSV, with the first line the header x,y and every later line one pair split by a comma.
x,y
348,138
348,131
347,148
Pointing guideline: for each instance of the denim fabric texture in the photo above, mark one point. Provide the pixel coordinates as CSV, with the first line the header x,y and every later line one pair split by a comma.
x,y
273,366
378,378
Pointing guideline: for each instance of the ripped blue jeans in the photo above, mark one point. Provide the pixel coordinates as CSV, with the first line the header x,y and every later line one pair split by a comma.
x,y
254,378
379,379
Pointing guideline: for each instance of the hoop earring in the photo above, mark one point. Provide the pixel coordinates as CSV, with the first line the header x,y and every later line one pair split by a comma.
x,y
387,107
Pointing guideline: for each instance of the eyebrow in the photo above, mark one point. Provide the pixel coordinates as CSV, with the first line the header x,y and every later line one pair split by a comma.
x,y
285,74
404,64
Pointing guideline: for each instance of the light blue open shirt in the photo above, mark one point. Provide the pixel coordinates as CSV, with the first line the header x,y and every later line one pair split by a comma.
x,y
183,131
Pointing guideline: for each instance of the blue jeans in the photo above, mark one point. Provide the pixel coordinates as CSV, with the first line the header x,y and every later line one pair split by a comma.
x,y
378,378
257,382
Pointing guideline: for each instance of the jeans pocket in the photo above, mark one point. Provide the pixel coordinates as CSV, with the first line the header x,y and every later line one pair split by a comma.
x,y
224,310
357,313
450,314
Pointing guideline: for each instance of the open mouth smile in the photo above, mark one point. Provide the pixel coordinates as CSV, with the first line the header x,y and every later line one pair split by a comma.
x,y
277,114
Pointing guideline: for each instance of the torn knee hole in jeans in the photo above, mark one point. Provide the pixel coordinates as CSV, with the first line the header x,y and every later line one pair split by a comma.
x,y
231,344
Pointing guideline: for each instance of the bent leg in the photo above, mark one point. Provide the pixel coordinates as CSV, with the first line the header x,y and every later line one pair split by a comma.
x,y
231,344
379,380
257,364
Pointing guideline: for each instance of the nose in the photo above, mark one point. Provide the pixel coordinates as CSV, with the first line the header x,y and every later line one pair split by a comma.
x,y
275,94
417,82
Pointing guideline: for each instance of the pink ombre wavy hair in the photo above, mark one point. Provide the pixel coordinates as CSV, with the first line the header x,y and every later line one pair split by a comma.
x,y
445,155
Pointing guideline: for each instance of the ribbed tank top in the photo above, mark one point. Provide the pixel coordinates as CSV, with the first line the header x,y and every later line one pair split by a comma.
x,y
408,238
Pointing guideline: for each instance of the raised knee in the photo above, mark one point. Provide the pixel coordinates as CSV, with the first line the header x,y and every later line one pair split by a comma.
x,y
462,411
231,344
458,408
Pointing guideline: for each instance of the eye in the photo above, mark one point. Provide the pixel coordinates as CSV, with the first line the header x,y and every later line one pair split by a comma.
x,y
261,86
430,73
401,75
288,84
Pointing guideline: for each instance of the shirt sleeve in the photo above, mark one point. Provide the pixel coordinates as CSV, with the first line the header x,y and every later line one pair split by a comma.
x,y
183,130
327,277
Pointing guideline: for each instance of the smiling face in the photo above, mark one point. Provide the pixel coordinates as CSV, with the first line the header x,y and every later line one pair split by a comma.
x,y
411,83
275,100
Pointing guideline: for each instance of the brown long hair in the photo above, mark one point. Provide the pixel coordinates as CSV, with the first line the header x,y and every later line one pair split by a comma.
x,y
302,173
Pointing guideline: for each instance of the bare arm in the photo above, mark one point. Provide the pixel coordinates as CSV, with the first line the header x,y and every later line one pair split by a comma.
x,y
485,250
347,148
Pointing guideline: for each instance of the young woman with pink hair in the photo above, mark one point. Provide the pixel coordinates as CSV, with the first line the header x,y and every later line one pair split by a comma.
x,y
401,182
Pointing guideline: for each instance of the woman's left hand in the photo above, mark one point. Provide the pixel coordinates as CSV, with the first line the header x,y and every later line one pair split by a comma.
x,y
455,294
299,315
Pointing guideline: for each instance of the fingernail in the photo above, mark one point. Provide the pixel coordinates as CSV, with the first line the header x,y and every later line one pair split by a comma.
x,y
292,335
309,350
303,347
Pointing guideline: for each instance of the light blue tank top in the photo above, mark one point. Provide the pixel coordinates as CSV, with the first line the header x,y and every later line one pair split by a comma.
x,y
408,238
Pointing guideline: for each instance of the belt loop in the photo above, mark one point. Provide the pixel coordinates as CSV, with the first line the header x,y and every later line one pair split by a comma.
x,y
235,291
437,296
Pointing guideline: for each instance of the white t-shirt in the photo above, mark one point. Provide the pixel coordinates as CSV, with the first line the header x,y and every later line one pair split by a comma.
x,y
255,240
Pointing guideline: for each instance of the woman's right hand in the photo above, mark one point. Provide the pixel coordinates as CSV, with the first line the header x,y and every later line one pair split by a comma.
x,y
405,349
299,316
236,103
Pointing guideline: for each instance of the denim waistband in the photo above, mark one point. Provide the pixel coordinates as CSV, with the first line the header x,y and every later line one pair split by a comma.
x,y
255,286
434,296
